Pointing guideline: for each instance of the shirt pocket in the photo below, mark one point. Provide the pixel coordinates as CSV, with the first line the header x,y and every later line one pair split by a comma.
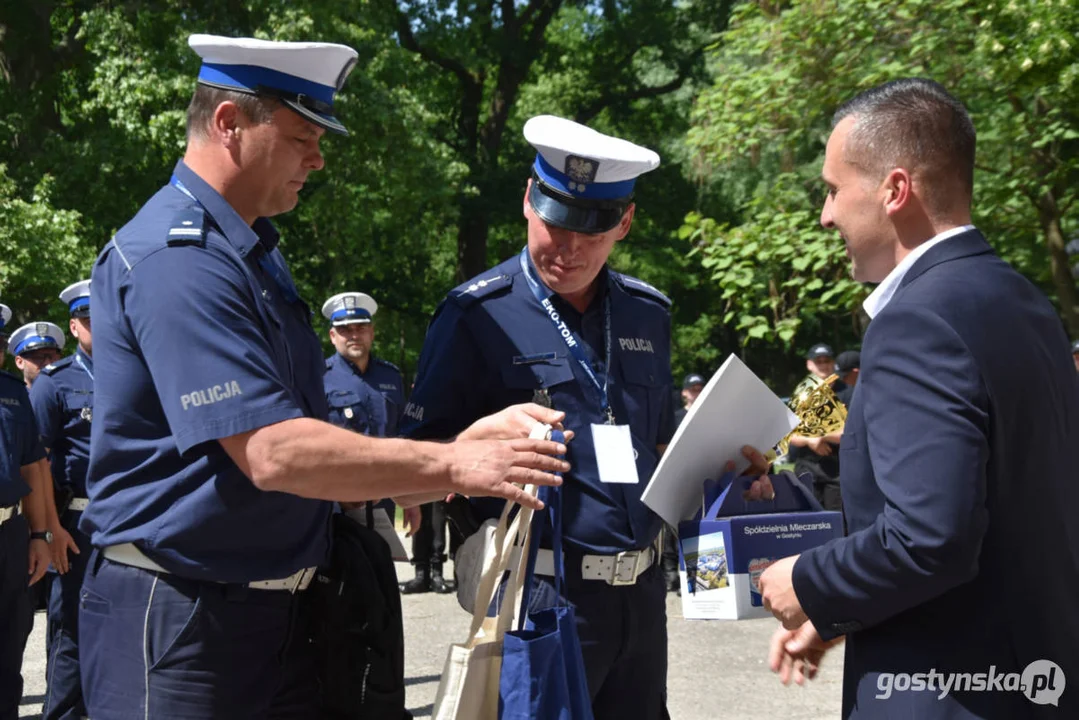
x,y
79,404
347,410
644,397
532,376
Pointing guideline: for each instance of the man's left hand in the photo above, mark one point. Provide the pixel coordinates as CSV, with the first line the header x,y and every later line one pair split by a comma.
x,y
777,593
39,560
61,543
516,421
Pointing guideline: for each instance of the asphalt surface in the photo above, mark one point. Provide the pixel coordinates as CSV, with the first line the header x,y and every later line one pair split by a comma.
x,y
717,668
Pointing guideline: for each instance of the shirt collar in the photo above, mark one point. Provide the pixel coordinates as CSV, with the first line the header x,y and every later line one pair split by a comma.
x,y
884,292
86,360
346,363
243,237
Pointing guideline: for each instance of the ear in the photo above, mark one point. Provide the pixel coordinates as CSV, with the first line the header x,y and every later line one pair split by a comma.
x,y
73,327
626,222
227,122
525,209
898,191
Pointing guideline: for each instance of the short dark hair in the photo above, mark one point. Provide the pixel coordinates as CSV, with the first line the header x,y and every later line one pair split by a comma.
x,y
915,124
200,112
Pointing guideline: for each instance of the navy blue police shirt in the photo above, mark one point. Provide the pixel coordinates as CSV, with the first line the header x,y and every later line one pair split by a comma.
x,y
19,443
63,401
491,345
365,402
199,335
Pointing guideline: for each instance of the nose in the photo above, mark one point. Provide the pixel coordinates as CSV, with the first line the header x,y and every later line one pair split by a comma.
x,y
314,159
826,218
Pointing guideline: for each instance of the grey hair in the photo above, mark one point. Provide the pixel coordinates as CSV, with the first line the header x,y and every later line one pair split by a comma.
x,y
915,124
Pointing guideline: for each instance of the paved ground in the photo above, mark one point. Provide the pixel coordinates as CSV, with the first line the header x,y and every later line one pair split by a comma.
x,y
717,668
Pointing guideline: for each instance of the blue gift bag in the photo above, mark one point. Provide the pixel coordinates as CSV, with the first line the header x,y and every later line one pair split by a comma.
x,y
543,675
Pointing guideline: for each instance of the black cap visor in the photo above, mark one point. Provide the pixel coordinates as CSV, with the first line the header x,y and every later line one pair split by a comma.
x,y
584,216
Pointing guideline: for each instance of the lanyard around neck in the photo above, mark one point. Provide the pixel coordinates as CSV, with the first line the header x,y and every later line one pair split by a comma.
x,y
543,296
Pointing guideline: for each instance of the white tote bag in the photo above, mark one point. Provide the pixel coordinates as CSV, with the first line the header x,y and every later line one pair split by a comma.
x,y
468,689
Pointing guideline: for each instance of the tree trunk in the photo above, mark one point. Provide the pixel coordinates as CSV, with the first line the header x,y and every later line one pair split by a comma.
x,y
472,230
1049,215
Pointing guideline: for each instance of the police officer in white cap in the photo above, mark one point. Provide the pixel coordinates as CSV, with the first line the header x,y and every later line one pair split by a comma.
x,y
556,325
63,402
212,467
34,346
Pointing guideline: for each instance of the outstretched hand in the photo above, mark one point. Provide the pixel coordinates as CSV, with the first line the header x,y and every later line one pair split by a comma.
x,y
501,468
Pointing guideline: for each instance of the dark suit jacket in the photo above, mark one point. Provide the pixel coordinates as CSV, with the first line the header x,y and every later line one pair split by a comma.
x,y
962,498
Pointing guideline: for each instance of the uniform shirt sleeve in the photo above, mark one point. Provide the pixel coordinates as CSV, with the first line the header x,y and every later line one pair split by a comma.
x,y
196,323
48,409
926,419
31,450
449,380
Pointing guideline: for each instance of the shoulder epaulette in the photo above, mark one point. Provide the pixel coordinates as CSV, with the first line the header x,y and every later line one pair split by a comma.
x,y
641,288
489,284
388,364
61,363
188,227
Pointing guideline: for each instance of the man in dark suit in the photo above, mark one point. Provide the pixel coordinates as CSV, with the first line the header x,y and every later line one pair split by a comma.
x,y
956,586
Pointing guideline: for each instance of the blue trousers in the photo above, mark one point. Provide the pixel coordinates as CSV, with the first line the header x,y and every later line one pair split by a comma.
x,y
158,646
15,612
623,634
63,692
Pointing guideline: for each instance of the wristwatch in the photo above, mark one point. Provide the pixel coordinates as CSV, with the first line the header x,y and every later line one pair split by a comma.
x,y
42,535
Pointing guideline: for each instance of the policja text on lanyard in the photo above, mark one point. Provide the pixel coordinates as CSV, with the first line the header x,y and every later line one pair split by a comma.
x,y
543,297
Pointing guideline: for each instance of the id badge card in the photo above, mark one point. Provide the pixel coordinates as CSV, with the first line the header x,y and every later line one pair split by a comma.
x,y
615,457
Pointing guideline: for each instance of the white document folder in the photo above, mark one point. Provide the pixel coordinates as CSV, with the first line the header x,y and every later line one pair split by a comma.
x,y
735,409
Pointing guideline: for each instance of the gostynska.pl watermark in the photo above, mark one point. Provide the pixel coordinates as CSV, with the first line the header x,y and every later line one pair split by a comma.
x,y
1041,682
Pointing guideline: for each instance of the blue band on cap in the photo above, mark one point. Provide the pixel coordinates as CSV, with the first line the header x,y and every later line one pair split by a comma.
x,y
349,313
81,302
42,341
249,77
563,183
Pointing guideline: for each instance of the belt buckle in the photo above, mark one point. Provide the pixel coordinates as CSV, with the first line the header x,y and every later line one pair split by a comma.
x,y
618,578
301,576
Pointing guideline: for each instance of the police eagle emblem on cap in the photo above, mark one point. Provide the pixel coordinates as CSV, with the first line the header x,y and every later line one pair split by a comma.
x,y
581,169
42,329
350,302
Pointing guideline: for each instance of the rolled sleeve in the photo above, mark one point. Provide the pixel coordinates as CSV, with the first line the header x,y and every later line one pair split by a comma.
x,y
926,416
206,344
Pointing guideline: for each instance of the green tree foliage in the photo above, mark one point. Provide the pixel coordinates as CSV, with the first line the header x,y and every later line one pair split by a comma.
x,y
760,130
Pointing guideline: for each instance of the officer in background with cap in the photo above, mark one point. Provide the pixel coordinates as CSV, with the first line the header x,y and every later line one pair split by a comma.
x,y
34,346
212,467
556,325
847,366
25,551
364,393
63,402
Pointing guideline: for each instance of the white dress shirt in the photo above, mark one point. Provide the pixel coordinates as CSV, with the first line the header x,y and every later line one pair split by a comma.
x,y
884,292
